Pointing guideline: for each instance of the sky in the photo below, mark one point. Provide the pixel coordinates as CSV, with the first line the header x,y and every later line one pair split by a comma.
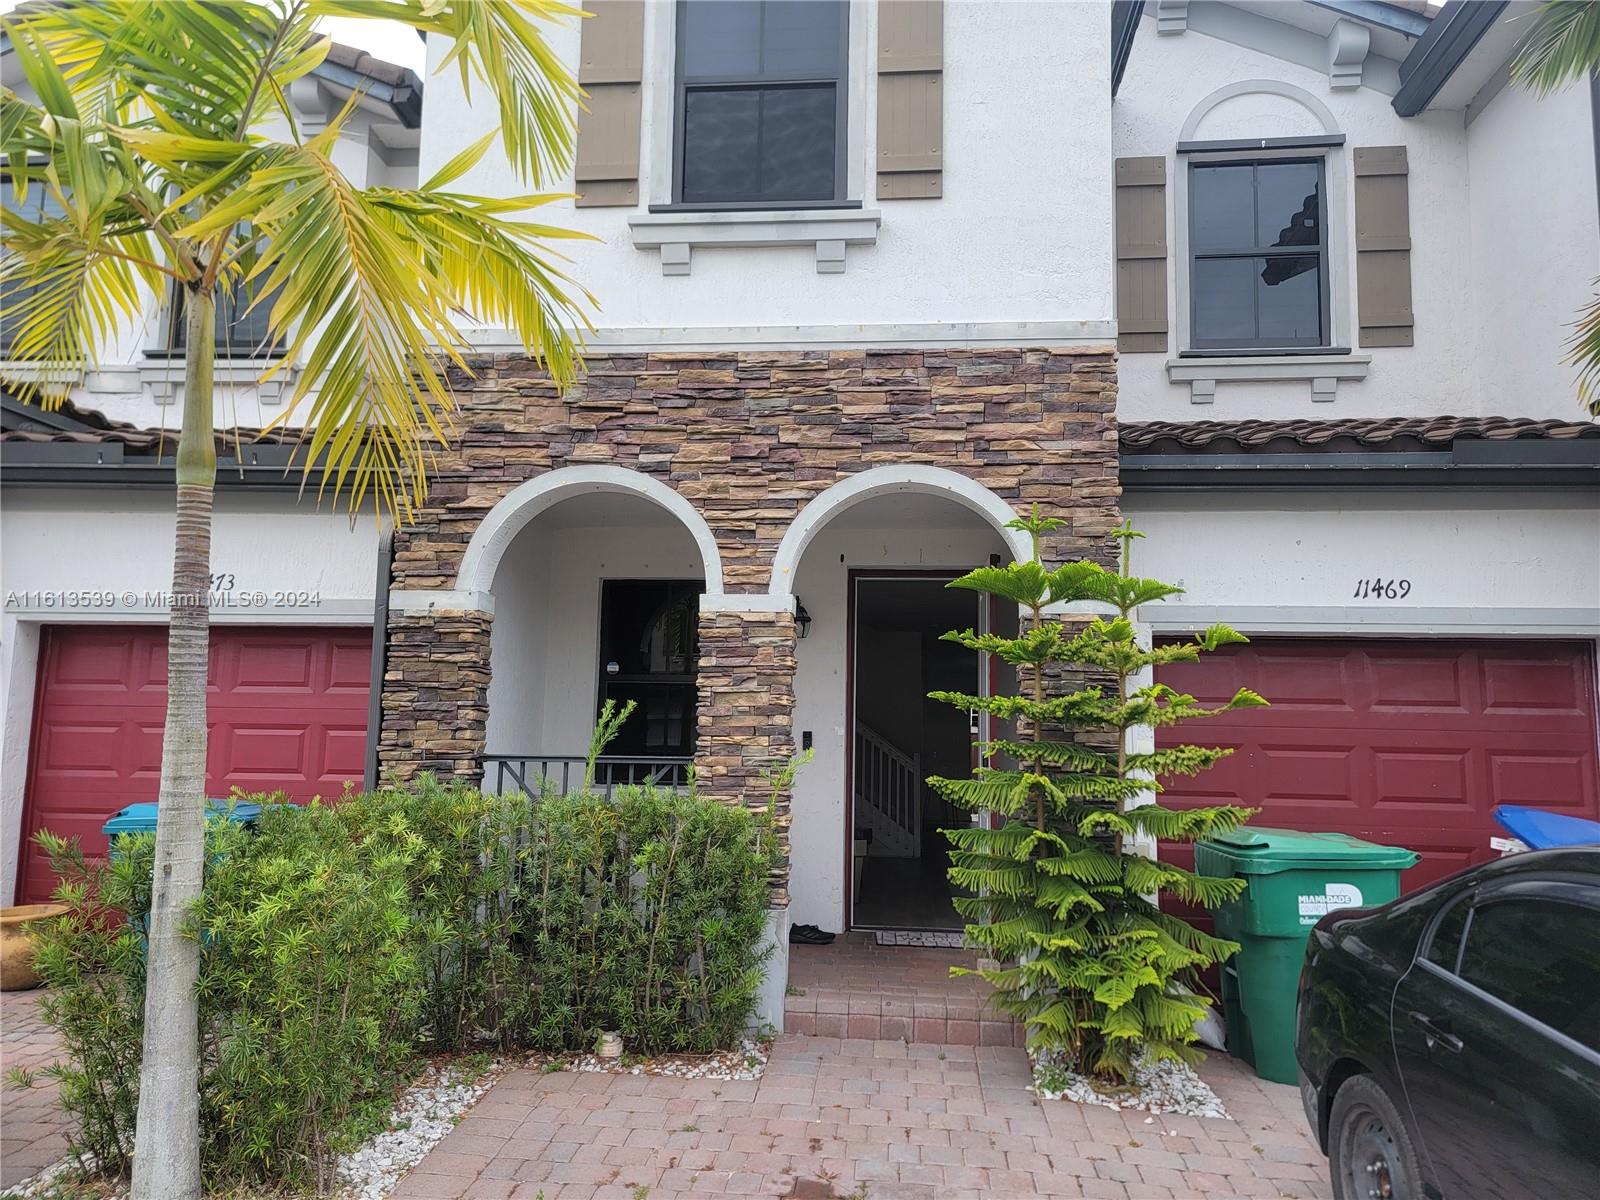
x,y
388,40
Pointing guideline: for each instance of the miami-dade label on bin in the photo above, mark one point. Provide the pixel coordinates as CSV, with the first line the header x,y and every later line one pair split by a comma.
x,y
1333,896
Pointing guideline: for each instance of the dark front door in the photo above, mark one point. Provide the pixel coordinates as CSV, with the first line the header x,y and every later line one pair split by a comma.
x,y
1497,1042
649,646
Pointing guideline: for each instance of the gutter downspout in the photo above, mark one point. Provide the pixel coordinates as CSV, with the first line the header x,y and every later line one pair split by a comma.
x,y
380,653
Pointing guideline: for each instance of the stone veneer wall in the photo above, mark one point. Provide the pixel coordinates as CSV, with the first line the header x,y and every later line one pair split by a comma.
x,y
748,438
745,716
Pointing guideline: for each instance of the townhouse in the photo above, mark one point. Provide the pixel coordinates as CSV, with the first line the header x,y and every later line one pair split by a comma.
x,y
1287,284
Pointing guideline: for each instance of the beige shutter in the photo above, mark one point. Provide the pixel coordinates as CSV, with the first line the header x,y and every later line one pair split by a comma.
x,y
1141,186
610,67
1383,246
910,99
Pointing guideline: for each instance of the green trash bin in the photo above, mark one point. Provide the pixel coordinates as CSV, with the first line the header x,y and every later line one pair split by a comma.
x,y
1293,880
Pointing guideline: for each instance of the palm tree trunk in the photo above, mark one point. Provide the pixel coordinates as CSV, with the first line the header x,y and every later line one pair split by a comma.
x,y
166,1162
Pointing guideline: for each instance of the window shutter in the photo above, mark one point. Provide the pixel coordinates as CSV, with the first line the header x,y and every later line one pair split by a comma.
x,y
910,99
610,68
1383,246
1141,185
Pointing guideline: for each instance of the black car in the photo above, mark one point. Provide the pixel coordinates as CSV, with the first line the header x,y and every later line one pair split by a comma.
x,y
1449,1042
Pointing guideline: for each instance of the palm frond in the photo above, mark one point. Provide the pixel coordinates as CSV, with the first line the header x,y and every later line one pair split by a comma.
x,y
1563,46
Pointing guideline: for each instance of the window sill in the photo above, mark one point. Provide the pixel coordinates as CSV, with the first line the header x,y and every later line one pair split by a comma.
x,y
1323,371
675,235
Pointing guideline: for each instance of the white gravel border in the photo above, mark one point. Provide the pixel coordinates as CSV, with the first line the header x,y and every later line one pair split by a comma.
x,y
1157,1087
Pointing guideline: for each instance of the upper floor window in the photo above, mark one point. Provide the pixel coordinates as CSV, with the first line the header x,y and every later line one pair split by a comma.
x,y
36,204
1259,272
760,115
239,333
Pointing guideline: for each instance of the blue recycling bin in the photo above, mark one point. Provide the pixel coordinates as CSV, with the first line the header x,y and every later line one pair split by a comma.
x,y
1542,830
141,818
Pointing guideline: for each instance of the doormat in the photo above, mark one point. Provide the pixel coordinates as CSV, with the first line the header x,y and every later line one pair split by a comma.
x,y
943,939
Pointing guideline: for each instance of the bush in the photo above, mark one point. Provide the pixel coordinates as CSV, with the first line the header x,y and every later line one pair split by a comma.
x,y
339,941
310,982
1065,898
645,916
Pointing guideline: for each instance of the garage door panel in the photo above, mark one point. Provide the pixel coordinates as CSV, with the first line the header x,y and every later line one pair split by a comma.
x,y
1439,778
1415,683
349,666
1513,685
271,666
1290,774
1304,683
287,710
1427,738
94,669
1563,782
82,750
344,752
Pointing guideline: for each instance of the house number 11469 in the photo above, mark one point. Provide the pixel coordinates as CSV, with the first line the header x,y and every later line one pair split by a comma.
x,y
1382,589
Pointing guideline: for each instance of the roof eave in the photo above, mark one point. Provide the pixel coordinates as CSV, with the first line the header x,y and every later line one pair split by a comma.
x,y
1450,38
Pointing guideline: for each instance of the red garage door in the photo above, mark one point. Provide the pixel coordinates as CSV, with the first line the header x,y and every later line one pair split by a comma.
x,y
1409,743
287,711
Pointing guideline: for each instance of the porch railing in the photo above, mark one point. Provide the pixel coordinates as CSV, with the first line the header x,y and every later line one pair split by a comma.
x,y
533,773
888,787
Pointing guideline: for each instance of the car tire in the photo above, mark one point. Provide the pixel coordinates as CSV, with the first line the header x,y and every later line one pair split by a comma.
x,y
1371,1152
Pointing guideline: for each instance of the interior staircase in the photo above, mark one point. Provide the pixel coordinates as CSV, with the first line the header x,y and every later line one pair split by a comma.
x,y
888,795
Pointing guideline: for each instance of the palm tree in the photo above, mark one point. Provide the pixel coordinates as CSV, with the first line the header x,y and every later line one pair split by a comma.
x,y
163,133
1563,47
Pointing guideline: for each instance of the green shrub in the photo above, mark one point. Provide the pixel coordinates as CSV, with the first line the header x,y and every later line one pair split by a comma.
x,y
463,850
311,985
93,962
339,941
1088,961
643,914
311,981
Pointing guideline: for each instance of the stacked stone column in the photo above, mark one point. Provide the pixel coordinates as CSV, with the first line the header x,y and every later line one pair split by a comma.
x,y
435,695
745,717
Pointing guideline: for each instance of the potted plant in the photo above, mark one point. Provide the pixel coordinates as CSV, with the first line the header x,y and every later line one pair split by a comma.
x,y
17,928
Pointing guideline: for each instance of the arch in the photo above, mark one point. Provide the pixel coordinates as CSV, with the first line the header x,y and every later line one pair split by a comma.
x,y
1269,87
886,481
527,500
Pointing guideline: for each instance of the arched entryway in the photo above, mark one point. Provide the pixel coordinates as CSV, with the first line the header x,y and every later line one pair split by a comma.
x,y
867,561
595,575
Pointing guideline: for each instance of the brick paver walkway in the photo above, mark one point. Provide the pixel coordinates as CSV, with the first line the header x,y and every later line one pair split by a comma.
x,y
856,1118
33,1129
856,988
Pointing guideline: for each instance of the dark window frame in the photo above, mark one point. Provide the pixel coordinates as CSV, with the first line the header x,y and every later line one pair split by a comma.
x,y
8,182
174,341
682,85
1257,346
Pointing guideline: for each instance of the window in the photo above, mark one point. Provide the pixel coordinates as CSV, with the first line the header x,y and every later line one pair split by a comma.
x,y
1259,271
240,334
761,102
1444,947
649,653
1542,957
35,205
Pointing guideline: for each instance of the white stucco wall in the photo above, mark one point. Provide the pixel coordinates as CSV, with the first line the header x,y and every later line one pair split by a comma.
x,y
1534,245
1166,80
950,539
1479,561
1022,232
544,652
57,541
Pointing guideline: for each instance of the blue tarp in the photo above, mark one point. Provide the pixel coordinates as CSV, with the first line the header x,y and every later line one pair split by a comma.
x,y
1542,830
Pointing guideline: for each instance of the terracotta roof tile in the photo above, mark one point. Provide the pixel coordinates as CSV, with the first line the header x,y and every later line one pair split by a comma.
x,y
1396,433
86,426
